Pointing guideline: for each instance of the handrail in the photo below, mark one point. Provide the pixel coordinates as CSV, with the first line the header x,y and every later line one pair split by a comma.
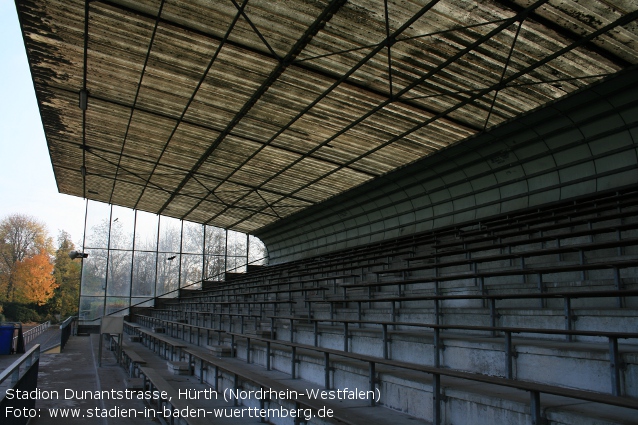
x,y
601,334
67,321
174,290
612,337
532,387
507,332
13,371
567,294
34,332
67,328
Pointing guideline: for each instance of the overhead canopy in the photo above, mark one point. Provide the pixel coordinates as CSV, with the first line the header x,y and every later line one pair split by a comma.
x,y
238,113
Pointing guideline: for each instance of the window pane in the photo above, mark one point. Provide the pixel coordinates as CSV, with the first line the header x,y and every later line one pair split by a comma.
x,y
167,274
94,272
215,241
141,302
191,270
117,306
236,252
170,230
119,277
144,273
193,238
257,251
122,228
146,231
91,307
214,267
97,225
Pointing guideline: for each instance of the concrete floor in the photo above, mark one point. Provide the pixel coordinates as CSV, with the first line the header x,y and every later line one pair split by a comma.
x,y
76,370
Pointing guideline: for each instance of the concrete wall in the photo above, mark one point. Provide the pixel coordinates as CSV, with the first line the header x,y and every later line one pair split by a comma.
x,y
580,145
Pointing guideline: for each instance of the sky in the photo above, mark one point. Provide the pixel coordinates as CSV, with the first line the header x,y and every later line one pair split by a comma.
x,y
27,183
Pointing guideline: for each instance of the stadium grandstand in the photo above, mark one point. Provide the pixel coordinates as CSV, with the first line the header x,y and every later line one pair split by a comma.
x,y
353,212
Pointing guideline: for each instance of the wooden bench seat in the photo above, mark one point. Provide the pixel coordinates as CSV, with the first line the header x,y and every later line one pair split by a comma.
x,y
133,360
481,275
240,373
156,341
513,255
532,240
437,371
156,382
545,228
562,212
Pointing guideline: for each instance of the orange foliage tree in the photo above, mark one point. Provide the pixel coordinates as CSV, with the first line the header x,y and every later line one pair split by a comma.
x,y
33,279
21,237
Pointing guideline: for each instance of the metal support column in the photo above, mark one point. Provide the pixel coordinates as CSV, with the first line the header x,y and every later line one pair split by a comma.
x,y
535,407
436,398
326,362
615,365
508,355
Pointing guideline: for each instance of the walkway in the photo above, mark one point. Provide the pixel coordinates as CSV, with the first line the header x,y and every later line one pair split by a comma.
x,y
76,370
47,339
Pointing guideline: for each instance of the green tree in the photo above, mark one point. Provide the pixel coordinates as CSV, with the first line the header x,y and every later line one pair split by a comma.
x,y
67,276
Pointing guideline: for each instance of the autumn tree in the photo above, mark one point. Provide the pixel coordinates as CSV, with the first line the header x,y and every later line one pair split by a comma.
x,y
33,280
22,238
66,273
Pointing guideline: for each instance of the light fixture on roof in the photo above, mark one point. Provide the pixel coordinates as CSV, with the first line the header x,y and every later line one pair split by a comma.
x,y
84,99
75,254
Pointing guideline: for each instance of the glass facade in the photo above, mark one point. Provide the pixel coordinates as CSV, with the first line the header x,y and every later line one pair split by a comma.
x,y
135,256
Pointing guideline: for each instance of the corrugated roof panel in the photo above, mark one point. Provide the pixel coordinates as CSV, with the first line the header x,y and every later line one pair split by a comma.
x,y
270,137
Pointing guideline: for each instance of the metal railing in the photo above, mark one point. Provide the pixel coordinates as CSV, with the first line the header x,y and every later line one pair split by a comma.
x,y
23,374
32,333
68,328
155,298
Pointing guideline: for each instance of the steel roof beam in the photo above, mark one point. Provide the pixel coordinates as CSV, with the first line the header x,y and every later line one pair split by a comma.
x,y
137,93
300,64
343,78
206,127
307,36
518,16
204,74
501,84
565,32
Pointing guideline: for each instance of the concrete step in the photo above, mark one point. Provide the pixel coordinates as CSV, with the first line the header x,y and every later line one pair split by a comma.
x,y
466,402
344,411
587,319
577,364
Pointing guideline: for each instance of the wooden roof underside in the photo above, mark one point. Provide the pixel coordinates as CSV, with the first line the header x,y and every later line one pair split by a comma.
x,y
238,113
